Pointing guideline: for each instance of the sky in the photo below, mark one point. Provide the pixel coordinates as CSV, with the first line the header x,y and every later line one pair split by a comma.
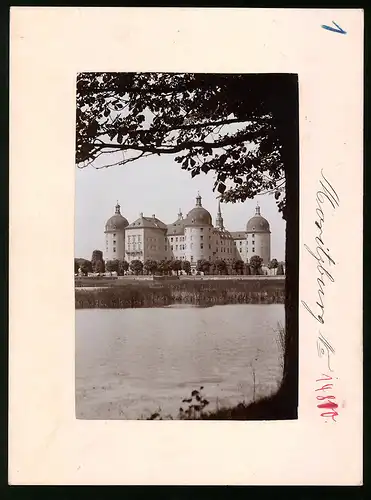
x,y
157,185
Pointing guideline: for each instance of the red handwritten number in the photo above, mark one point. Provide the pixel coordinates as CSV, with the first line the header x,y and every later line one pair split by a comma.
x,y
321,398
326,378
330,414
329,405
325,387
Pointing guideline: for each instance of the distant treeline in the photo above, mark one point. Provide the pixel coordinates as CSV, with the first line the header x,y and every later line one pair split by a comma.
x,y
175,266
215,292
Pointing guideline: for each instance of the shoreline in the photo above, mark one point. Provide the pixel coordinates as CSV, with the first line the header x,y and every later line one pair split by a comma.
x,y
192,292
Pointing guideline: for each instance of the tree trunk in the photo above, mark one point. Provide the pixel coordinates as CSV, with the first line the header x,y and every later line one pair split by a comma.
x,y
290,154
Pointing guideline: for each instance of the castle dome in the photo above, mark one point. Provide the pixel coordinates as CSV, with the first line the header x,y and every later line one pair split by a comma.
x,y
117,222
258,224
198,216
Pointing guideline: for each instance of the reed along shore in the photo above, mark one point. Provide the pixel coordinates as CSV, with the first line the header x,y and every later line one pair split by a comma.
x,y
201,293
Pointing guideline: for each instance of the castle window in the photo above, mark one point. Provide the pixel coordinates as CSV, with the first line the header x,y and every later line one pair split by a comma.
x,y
171,239
209,246
114,242
253,250
253,242
202,245
191,258
201,228
253,235
176,247
114,234
176,239
114,249
165,248
171,247
202,238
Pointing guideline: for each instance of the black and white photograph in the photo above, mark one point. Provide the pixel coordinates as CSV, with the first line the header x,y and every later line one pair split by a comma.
x,y
198,166
186,230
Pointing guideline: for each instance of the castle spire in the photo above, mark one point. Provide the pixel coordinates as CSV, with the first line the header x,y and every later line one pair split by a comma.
x,y
198,200
117,208
257,210
180,215
219,218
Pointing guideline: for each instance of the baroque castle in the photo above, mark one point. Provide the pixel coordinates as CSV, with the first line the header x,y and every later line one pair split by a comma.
x,y
191,238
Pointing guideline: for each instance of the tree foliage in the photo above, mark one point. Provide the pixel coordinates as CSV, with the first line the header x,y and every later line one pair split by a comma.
x,y
164,267
176,265
186,266
150,266
136,266
97,261
123,267
280,269
238,266
220,266
230,124
99,267
97,255
203,265
273,264
112,266
256,263
85,265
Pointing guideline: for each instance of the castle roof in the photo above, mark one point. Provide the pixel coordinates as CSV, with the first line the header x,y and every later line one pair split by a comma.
x,y
238,235
147,222
198,216
117,222
176,227
257,224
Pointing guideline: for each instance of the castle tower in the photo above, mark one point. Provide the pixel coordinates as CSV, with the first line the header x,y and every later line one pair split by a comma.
x,y
115,235
258,237
198,234
219,223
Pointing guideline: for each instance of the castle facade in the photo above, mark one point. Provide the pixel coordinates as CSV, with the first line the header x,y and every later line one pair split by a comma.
x,y
192,238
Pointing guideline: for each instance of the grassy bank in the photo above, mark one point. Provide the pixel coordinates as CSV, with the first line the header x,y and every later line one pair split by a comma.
x,y
274,407
203,293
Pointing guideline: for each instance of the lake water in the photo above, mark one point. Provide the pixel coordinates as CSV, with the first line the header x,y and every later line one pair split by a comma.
x,y
130,362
